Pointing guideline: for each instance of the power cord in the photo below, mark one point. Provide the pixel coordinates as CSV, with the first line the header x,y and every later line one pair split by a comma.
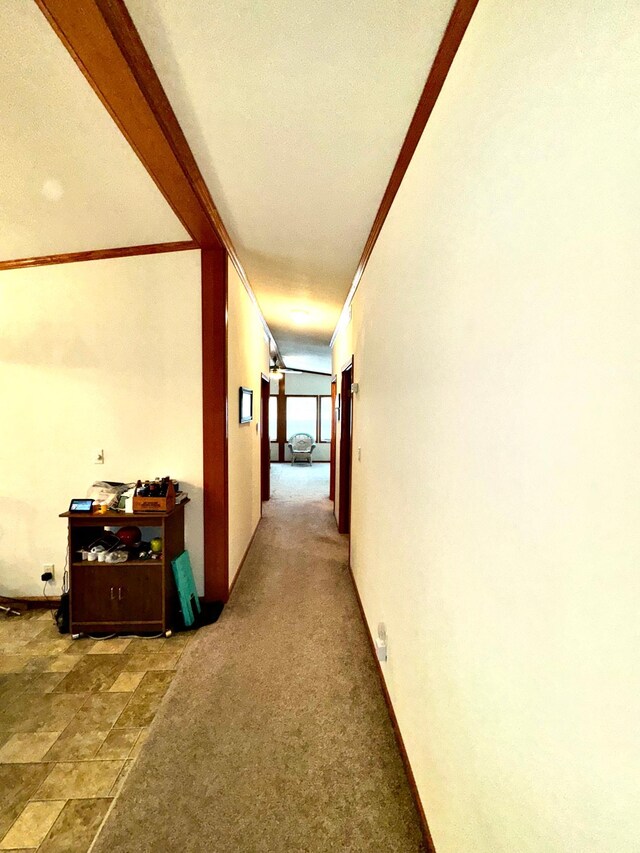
x,y
65,582
128,636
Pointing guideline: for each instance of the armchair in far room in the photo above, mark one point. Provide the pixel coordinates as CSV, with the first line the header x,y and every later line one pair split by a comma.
x,y
301,446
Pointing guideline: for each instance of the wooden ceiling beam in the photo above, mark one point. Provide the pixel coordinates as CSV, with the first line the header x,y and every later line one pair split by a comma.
x,y
103,41
98,255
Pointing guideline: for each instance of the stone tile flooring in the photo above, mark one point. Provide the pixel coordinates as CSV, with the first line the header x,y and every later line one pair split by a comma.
x,y
73,717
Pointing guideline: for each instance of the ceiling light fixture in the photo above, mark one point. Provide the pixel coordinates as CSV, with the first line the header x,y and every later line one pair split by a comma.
x,y
300,316
275,372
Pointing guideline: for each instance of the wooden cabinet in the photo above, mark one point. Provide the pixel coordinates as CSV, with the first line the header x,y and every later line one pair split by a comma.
x,y
139,595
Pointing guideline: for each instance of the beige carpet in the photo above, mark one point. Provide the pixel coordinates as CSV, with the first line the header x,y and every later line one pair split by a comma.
x,y
274,735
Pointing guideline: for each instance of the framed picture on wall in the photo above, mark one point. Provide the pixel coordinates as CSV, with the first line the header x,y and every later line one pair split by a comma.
x,y
246,405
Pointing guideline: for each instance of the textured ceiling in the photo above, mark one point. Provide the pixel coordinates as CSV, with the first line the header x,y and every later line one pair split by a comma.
x,y
296,113
68,179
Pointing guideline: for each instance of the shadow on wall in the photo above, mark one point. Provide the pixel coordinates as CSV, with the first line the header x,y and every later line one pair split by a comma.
x,y
193,526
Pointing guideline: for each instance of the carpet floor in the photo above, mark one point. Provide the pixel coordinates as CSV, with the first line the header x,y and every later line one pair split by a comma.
x,y
274,736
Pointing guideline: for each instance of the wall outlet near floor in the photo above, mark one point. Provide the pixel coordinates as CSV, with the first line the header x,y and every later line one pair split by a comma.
x,y
381,642
48,569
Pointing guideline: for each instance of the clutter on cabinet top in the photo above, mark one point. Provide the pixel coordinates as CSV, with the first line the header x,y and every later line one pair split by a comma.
x,y
159,495
106,494
81,505
154,496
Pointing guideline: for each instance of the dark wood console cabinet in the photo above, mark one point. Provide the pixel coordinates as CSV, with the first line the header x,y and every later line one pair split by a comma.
x,y
137,596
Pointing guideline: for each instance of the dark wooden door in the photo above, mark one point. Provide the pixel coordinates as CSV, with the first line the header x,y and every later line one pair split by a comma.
x,y
265,443
332,446
138,592
94,595
346,429
107,593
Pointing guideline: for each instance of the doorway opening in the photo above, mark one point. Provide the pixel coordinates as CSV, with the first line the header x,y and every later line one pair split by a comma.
x,y
332,450
346,432
265,444
301,407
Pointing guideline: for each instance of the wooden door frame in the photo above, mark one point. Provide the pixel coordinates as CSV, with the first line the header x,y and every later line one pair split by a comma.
x,y
346,455
332,449
215,435
282,416
265,443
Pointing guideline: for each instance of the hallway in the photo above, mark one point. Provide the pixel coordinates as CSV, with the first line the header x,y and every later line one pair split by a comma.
x,y
274,735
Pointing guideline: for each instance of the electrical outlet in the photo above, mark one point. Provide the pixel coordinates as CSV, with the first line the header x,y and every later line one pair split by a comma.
x,y
49,567
98,457
382,645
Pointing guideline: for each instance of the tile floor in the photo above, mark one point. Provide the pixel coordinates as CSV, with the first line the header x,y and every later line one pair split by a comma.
x,y
73,717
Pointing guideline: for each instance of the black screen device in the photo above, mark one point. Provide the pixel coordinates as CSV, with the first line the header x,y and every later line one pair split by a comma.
x,y
81,505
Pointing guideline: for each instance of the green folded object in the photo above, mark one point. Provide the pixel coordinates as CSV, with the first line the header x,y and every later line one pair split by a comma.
x,y
187,593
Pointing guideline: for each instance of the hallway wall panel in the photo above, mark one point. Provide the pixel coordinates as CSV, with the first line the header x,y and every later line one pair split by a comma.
x,y
496,337
248,358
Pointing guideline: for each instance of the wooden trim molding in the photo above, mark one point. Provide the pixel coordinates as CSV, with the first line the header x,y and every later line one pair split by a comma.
x,y
453,34
215,433
244,559
394,722
265,443
98,255
345,471
31,602
332,451
309,372
282,417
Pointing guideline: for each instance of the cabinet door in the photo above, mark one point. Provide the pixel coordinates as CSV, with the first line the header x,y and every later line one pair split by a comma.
x,y
139,593
93,594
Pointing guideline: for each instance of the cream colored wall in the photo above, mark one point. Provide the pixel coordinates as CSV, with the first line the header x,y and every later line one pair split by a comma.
x,y
307,383
497,343
102,354
248,358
